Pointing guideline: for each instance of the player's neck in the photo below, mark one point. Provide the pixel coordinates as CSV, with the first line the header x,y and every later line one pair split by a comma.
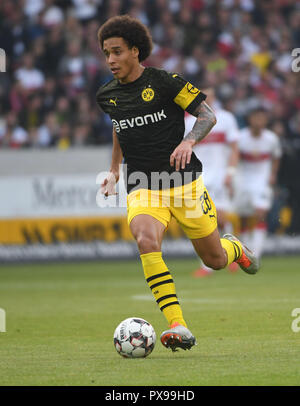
x,y
256,132
133,75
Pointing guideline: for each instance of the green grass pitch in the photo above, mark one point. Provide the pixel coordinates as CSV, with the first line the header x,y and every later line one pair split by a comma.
x,y
60,319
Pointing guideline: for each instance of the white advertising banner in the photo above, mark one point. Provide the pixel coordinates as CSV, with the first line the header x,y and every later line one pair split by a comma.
x,y
58,196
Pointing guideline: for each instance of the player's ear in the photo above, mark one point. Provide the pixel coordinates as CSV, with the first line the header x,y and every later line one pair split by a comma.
x,y
135,51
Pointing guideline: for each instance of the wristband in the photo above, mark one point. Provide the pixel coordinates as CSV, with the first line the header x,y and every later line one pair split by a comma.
x,y
231,170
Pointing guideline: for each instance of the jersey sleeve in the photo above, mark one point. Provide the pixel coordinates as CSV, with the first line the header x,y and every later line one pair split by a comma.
x,y
102,100
277,150
182,92
232,129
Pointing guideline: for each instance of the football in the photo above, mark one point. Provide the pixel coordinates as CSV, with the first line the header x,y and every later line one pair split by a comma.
x,y
134,338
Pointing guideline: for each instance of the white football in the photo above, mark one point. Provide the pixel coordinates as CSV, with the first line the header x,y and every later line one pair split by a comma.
x,y
134,338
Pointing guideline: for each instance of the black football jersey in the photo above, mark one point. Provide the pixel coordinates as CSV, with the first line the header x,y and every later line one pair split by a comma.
x,y
148,117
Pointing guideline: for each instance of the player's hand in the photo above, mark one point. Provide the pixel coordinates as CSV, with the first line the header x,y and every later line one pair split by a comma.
x,y
181,156
229,179
272,180
108,186
228,182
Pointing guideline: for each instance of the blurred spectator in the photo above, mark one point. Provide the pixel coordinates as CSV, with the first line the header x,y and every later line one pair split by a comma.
x,y
14,33
138,10
63,138
50,92
55,49
15,136
63,110
33,7
114,8
17,97
81,135
47,132
240,47
32,116
83,110
85,10
29,77
72,65
52,14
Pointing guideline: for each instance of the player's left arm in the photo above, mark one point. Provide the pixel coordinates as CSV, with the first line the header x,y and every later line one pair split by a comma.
x,y
206,119
274,171
233,160
276,155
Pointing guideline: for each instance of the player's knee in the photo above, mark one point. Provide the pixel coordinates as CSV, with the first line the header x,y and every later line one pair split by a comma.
x,y
215,262
147,243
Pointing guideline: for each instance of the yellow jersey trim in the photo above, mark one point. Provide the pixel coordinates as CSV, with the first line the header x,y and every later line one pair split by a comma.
x,y
186,95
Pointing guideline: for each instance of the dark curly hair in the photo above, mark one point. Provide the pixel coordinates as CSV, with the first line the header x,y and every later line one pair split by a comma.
x,y
131,30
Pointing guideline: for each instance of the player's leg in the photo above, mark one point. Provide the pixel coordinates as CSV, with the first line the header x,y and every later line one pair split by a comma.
x,y
216,252
214,191
259,232
198,218
245,209
200,226
221,198
219,252
262,198
148,233
246,230
205,270
225,226
148,221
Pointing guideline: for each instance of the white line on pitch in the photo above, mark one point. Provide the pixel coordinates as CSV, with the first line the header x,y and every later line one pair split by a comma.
x,y
220,301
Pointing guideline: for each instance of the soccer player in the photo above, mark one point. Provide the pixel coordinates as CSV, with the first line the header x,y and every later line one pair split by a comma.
x,y
260,153
219,155
163,176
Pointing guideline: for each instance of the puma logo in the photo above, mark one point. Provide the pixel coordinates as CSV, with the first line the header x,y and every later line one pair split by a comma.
x,y
113,101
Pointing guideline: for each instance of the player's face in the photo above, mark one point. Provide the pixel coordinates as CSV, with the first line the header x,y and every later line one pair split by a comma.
x,y
122,61
258,120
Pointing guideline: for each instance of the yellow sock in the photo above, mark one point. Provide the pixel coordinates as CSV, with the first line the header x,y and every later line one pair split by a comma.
x,y
162,286
233,248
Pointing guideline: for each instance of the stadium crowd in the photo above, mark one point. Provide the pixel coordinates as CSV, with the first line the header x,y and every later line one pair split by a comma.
x,y
243,48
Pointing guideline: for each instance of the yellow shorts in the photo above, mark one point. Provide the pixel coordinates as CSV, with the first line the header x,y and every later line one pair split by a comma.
x,y
190,204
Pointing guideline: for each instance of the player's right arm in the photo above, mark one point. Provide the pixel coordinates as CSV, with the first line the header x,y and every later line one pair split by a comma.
x,y
232,164
206,119
190,99
109,183
276,156
274,171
